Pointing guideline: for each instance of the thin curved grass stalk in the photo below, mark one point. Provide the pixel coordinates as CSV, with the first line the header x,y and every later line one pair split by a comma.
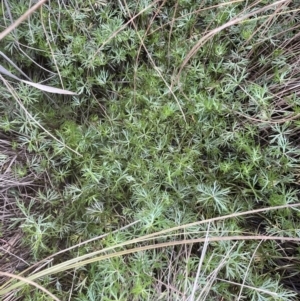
x,y
169,23
65,265
83,260
52,53
160,233
213,32
204,249
5,32
51,257
212,277
26,280
250,287
77,263
247,271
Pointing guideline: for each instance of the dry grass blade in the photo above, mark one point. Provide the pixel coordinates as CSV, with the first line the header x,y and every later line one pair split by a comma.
x,y
38,86
247,271
159,234
213,276
213,32
27,113
22,279
86,259
49,89
11,28
76,262
66,266
5,32
52,52
204,249
50,258
274,295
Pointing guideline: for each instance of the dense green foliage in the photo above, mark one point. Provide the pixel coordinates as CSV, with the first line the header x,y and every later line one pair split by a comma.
x,y
162,149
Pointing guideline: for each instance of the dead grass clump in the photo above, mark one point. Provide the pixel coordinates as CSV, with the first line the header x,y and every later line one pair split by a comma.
x,y
16,182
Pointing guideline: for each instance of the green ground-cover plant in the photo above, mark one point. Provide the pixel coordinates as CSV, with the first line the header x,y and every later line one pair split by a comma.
x,y
175,121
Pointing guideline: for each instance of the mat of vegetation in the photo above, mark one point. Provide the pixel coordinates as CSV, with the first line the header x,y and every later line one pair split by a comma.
x,y
186,111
